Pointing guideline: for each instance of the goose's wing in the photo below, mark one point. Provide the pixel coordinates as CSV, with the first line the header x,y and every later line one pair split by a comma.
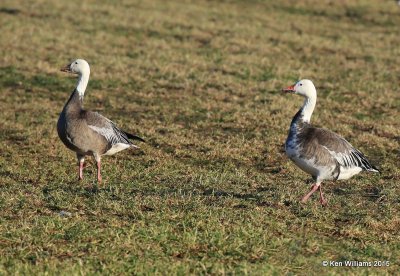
x,y
108,129
341,150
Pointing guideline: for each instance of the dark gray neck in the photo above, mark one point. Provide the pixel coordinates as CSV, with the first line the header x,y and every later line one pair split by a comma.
x,y
298,119
297,125
75,102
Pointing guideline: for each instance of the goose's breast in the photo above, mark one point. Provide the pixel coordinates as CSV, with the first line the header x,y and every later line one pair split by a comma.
x,y
310,160
66,134
294,153
291,145
62,129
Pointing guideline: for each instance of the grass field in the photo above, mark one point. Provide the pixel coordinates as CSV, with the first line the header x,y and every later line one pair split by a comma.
x,y
211,192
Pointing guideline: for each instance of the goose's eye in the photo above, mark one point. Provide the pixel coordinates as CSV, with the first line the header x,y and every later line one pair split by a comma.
x,y
301,84
76,62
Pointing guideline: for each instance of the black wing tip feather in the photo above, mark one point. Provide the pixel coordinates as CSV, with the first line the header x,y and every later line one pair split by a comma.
x,y
374,169
364,163
134,137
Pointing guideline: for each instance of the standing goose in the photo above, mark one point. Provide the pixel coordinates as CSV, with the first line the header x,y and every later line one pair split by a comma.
x,y
322,153
87,132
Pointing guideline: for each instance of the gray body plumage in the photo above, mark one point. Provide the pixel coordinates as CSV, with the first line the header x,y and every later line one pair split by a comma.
x,y
322,153
87,132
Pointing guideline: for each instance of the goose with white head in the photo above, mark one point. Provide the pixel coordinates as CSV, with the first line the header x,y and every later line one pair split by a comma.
x,y
319,152
86,132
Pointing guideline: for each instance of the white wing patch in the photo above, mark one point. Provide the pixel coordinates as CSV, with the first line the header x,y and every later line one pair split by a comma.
x,y
342,158
108,133
350,163
350,159
113,138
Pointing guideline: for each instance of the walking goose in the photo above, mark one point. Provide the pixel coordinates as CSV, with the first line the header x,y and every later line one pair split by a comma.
x,y
322,153
87,132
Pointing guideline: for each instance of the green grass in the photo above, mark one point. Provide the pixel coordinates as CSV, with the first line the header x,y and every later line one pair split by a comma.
x,y
211,192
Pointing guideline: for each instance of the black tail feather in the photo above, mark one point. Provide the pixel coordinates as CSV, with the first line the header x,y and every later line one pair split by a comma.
x,y
134,137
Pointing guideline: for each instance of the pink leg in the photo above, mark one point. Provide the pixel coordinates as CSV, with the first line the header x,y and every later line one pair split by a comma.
x,y
321,197
81,160
307,196
98,171
80,170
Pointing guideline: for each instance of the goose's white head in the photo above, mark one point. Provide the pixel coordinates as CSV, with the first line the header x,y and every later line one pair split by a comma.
x,y
303,87
78,66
